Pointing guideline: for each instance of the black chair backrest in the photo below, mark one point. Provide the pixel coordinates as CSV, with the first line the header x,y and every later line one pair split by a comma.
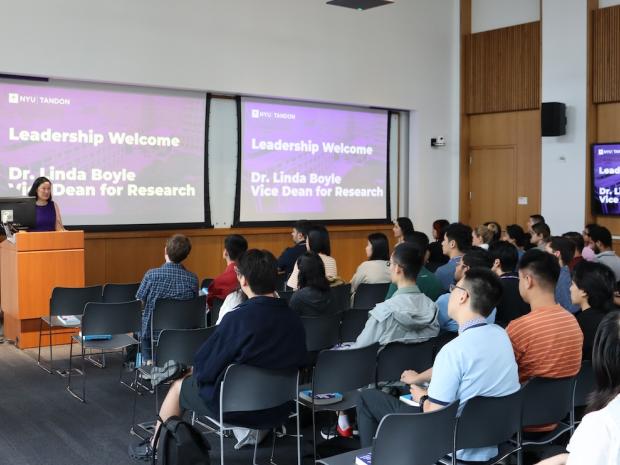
x,y
488,421
281,282
72,300
179,314
115,293
106,318
286,295
415,438
214,311
586,384
340,300
344,370
205,283
246,388
321,332
181,345
369,295
397,357
547,400
352,323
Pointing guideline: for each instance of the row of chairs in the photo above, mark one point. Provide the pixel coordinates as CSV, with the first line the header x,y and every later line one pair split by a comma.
x,y
366,296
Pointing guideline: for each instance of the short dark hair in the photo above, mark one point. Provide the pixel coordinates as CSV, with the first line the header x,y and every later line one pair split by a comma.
x,y
543,266
477,257
35,185
405,225
516,233
565,246
409,258
485,290
537,218
260,268
606,362
598,281
543,229
461,234
506,253
311,272
235,245
601,234
380,246
576,238
318,239
440,228
302,227
419,240
178,248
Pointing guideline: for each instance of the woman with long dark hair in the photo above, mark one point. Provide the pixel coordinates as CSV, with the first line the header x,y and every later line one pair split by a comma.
x,y
313,291
376,269
402,227
47,211
318,242
436,257
597,439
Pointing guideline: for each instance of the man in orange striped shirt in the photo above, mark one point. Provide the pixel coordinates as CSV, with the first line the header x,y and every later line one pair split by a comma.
x,y
547,341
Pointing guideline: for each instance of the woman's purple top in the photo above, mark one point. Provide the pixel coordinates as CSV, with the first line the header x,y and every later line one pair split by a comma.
x,y
46,218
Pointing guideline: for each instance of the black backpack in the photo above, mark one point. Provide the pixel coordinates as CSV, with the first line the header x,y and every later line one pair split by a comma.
x,y
180,443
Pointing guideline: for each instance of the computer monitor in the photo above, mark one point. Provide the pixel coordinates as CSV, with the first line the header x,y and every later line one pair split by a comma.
x,y
18,212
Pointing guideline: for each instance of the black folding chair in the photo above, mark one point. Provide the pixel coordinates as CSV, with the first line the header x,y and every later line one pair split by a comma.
x,y
116,293
342,371
65,302
179,345
214,312
340,300
369,295
486,422
352,323
116,322
584,385
269,389
549,401
407,439
396,357
286,295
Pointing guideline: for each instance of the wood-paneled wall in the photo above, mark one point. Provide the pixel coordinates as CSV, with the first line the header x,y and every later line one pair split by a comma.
x,y
125,256
502,69
606,55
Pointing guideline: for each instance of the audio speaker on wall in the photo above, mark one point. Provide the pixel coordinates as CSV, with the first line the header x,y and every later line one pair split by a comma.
x,y
553,119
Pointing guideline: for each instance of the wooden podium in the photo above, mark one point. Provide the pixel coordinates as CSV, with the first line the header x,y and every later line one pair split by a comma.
x,y
29,269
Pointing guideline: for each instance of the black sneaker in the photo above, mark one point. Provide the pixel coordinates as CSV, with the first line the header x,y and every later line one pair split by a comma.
x,y
141,451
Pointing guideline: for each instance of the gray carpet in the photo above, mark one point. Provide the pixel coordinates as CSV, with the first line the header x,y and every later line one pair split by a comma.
x,y
42,424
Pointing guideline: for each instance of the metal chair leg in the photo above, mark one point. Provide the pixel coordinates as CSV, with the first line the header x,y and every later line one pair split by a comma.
x,y
39,364
83,398
255,447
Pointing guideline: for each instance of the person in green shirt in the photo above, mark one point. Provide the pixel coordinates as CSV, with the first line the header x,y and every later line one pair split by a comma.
x,y
428,283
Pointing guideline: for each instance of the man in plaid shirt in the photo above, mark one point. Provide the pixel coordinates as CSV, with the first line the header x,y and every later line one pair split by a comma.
x,y
169,281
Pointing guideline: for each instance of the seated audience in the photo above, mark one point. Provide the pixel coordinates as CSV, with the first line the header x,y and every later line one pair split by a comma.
x,y
436,257
479,362
564,250
481,237
597,439
601,238
222,285
408,315
592,289
313,292
375,270
289,256
540,234
169,281
577,240
402,227
473,258
588,249
516,236
511,306
262,332
457,240
317,242
426,281
496,229
547,341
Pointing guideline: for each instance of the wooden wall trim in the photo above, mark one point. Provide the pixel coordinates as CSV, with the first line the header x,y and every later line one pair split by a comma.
x,y
502,69
591,110
465,24
606,55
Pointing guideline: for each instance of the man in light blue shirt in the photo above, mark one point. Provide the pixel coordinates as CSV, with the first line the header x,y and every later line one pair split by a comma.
x,y
564,250
479,362
474,258
456,241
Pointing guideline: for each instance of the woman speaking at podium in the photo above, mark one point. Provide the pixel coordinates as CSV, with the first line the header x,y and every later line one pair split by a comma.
x,y
47,211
